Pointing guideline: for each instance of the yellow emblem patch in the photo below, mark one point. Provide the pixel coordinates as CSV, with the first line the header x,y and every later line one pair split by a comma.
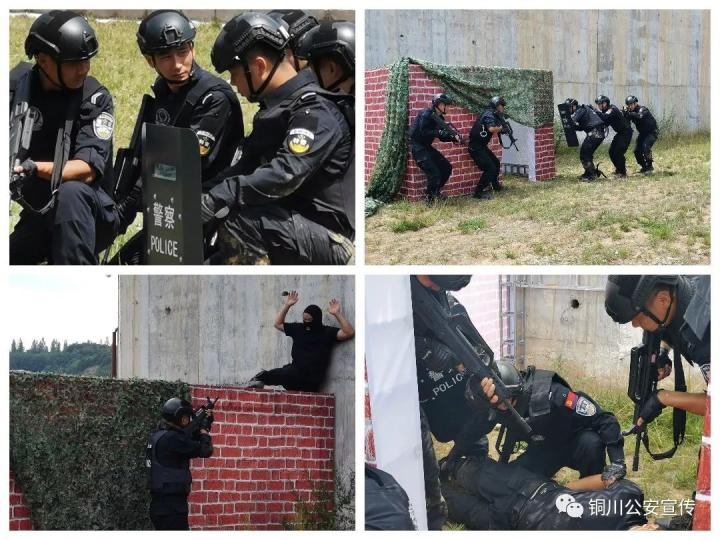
x,y
300,140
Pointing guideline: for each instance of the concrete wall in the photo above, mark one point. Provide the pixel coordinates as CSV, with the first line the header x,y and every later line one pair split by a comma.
x,y
663,57
218,330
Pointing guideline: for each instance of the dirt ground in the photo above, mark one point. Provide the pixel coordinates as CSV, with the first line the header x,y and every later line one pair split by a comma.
x,y
659,219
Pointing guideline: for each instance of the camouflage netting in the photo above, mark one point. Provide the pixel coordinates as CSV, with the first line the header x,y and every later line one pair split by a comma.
x,y
77,447
528,92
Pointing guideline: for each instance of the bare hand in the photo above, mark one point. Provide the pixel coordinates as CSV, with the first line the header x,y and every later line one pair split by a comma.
x,y
334,307
292,298
488,387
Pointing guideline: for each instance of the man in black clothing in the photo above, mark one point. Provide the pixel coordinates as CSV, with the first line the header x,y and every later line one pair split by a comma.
x,y
312,345
647,132
569,428
67,216
331,53
429,125
486,125
299,23
289,199
186,96
614,117
167,461
678,309
586,119
387,506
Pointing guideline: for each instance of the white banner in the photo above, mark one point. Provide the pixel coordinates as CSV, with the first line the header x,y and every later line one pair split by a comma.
x,y
392,385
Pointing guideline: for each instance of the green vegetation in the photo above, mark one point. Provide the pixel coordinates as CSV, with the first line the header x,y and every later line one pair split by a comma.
x,y
659,219
74,359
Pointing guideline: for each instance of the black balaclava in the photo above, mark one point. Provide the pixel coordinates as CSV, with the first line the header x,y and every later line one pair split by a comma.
x,y
316,313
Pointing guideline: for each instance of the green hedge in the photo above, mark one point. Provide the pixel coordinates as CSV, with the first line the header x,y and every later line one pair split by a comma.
x,y
77,447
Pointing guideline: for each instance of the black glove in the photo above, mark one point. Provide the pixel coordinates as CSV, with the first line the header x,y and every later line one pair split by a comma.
x,y
211,211
663,360
504,130
127,210
207,423
652,409
29,168
613,472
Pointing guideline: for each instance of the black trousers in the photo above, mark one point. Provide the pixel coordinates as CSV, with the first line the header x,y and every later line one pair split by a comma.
x,y
435,506
588,147
271,234
170,522
290,378
169,512
436,167
81,224
584,453
489,164
643,148
618,147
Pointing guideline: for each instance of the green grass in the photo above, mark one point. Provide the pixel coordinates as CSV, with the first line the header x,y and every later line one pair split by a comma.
x,y
659,219
124,71
411,224
671,479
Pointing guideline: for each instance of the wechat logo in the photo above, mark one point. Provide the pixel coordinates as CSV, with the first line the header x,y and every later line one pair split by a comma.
x,y
566,503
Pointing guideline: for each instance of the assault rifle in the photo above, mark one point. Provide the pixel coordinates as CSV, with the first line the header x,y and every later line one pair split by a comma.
x,y
642,384
22,121
200,417
448,131
455,330
506,130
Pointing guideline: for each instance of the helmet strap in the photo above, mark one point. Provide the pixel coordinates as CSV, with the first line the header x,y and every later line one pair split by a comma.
x,y
661,324
255,94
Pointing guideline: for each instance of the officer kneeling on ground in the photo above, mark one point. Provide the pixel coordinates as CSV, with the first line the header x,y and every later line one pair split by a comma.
x,y
167,459
186,96
586,119
67,217
569,428
286,200
678,309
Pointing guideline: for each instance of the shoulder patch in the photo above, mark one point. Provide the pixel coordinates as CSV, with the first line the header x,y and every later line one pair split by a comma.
x,y
103,126
162,117
299,140
585,407
206,140
571,400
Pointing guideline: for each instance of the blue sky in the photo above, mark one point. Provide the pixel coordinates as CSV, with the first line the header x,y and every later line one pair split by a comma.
x,y
77,307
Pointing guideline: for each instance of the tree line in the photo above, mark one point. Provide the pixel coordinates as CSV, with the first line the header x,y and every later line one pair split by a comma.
x,y
70,359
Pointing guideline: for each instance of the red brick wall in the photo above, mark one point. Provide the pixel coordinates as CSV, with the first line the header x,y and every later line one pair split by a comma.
x,y
481,300
269,447
19,514
465,174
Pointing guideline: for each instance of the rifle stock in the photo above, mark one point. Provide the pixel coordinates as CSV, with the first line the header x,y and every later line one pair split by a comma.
x,y
456,331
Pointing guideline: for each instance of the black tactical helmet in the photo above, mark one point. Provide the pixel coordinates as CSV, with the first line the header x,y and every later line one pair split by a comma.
x,y
65,36
243,32
571,102
510,376
451,283
335,40
630,100
495,101
626,296
440,98
298,23
164,29
602,99
175,408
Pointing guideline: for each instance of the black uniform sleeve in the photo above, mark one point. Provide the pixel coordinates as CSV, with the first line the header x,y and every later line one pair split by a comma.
x,y
312,136
185,447
93,142
586,413
577,117
428,126
638,114
471,440
209,121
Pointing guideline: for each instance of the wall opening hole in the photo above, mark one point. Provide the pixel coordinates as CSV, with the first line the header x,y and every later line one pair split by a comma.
x,y
574,303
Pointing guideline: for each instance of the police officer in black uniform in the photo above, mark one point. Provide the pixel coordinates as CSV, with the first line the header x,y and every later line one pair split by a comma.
x,y
331,53
678,309
186,96
299,24
615,118
167,460
486,125
444,410
588,120
647,132
569,428
72,224
287,200
428,126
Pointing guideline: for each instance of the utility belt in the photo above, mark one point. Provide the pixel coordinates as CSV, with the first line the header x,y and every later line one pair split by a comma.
x,y
597,133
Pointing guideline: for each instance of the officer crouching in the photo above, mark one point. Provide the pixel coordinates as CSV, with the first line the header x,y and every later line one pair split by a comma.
x,y
167,459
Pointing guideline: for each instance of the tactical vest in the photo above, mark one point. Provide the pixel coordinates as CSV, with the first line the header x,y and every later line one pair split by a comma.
x,y
539,403
162,478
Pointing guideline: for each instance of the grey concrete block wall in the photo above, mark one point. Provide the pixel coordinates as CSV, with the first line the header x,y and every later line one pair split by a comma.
x,y
219,330
663,57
